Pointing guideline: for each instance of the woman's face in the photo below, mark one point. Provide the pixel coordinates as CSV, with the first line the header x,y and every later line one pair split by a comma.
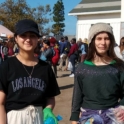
x,y
27,41
102,43
44,45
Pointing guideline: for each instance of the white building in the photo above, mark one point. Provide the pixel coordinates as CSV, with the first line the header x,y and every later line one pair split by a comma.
x,y
89,12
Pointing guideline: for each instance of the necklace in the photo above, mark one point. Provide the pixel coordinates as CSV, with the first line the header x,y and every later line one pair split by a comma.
x,y
30,74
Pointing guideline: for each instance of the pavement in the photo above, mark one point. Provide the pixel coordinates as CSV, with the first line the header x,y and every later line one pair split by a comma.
x,y
64,100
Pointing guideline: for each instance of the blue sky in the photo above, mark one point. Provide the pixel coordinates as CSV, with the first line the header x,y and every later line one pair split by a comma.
x,y
70,21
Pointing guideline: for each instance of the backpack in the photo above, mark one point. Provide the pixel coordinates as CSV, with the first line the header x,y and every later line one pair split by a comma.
x,y
67,47
56,57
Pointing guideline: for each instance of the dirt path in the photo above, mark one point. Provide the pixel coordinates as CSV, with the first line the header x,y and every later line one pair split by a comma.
x,y
63,101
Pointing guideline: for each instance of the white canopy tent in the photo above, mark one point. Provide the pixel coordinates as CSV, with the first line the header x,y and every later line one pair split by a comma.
x,y
4,32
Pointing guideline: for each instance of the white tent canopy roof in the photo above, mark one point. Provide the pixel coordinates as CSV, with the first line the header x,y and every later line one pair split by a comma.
x,y
4,31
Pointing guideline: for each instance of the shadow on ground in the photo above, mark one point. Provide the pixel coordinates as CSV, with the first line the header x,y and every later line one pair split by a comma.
x,y
66,87
64,75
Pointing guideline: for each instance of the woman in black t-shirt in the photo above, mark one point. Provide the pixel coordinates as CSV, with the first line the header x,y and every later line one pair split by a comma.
x,y
27,84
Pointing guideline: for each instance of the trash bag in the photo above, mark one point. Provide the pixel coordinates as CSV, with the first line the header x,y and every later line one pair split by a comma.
x,y
70,67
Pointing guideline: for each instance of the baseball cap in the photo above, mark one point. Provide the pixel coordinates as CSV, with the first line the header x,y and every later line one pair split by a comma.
x,y
26,25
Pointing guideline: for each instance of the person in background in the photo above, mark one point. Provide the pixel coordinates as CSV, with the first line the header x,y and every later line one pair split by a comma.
x,y
56,57
10,45
99,81
15,48
79,43
27,84
85,41
5,50
47,52
122,47
84,49
73,55
66,51
62,45
62,54
117,51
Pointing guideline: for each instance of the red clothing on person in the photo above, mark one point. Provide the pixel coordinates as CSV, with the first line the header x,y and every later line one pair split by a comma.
x,y
56,57
10,51
73,49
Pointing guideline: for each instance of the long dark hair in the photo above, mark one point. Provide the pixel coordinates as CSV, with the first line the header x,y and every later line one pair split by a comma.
x,y
46,42
111,54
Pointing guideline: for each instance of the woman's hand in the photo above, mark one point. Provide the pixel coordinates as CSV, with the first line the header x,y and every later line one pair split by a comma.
x,y
42,49
74,122
119,114
47,113
48,109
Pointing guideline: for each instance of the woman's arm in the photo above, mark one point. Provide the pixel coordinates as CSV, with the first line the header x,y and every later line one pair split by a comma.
x,y
77,98
74,122
50,102
3,119
47,112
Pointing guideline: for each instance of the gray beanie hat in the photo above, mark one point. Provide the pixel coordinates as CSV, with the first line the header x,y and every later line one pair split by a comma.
x,y
97,28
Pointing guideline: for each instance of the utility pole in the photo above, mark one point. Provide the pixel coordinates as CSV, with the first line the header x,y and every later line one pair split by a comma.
x,y
122,19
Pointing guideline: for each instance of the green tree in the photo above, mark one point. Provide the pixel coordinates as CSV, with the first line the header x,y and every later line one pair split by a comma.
x,y
13,10
41,15
58,18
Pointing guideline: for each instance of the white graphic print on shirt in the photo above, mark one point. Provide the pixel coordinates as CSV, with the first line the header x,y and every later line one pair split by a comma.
x,y
36,83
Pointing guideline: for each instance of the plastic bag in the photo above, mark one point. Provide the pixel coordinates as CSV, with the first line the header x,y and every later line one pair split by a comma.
x,y
70,67
51,120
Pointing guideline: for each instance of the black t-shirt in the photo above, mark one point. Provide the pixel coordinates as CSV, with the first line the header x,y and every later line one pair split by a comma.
x,y
21,90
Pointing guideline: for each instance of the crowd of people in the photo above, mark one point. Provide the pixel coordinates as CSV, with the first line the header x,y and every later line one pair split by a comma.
x,y
28,83
60,53
8,48
56,53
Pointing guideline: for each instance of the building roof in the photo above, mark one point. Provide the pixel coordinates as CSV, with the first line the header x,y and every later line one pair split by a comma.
x,y
97,1
96,7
